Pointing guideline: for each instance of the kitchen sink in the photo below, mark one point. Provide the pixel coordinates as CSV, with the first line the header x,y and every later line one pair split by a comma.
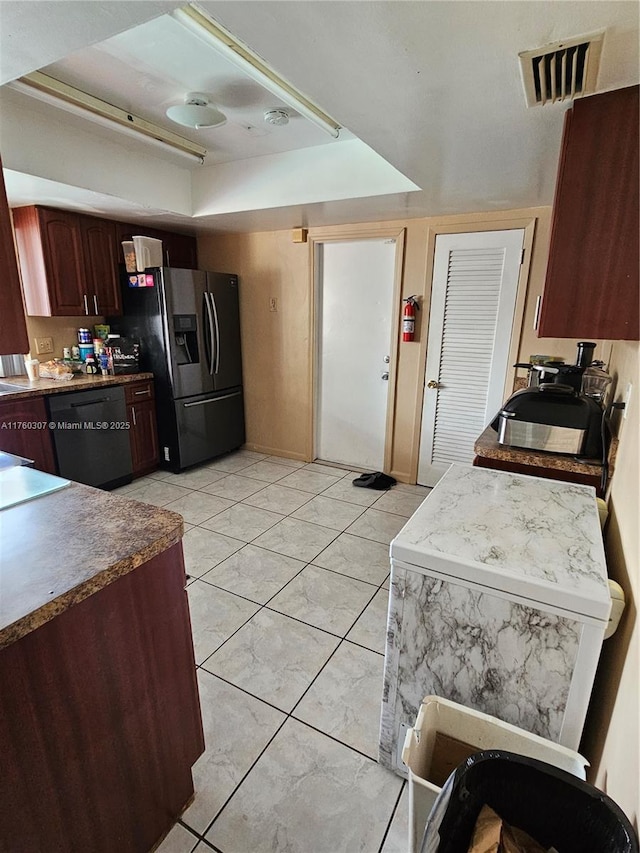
x,y
6,388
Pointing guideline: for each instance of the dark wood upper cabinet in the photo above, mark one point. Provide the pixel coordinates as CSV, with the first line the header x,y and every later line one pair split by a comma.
x,y
100,243
52,260
592,287
13,327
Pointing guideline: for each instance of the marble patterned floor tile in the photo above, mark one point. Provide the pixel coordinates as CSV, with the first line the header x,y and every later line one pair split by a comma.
x,y
344,490
237,727
231,463
273,657
233,487
279,498
356,557
344,700
387,584
179,840
215,615
195,478
266,472
130,487
308,794
159,474
254,573
414,489
284,460
243,522
157,492
397,840
371,628
251,455
376,525
309,481
331,470
399,502
296,538
196,507
328,512
204,549
323,599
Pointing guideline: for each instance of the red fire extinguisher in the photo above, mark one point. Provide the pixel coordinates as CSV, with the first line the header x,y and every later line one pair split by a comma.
x,y
409,318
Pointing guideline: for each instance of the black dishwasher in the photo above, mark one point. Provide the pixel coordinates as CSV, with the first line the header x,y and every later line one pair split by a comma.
x,y
91,436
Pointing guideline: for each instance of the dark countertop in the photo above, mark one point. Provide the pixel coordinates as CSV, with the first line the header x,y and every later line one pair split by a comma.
x,y
59,549
80,382
487,446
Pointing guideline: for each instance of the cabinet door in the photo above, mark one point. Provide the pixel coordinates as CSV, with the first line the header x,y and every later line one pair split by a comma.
x,y
13,328
64,262
143,432
180,251
591,288
99,239
33,441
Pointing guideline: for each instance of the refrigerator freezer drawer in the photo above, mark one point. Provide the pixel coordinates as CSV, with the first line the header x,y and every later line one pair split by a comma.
x,y
209,426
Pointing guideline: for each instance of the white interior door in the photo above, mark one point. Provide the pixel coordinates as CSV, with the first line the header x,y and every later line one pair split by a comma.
x,y
355,282
473,296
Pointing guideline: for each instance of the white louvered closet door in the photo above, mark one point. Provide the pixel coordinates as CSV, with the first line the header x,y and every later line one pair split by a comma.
x,y
473,296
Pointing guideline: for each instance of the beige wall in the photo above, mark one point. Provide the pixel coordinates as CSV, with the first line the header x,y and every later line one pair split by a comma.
x,y
277,346
611,740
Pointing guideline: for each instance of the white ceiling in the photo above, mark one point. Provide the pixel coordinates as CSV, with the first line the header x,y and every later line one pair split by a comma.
x,y
433,86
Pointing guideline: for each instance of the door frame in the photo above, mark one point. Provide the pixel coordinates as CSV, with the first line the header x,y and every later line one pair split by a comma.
x,y
318,238
528,224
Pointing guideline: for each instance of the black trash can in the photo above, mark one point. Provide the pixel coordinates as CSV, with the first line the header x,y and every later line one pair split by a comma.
x,y
552,806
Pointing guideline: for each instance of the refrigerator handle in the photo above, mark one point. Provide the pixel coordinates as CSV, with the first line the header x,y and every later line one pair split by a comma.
x,y
215,316
207,321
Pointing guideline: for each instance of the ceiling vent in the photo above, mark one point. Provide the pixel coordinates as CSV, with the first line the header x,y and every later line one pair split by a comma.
x,y
561,71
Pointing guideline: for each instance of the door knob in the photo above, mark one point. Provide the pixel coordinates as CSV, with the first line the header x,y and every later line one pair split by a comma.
x,y
385,376
386,359
433,384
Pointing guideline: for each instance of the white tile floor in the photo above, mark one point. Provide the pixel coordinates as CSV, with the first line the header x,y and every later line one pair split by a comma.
x,y
288,595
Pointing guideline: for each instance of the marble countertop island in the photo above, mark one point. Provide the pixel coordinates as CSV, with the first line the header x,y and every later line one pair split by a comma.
x,y
57,550
524,535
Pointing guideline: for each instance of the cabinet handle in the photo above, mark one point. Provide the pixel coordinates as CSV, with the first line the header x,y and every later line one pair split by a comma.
x,y
140,393
133,412
537,314
95,303
86,304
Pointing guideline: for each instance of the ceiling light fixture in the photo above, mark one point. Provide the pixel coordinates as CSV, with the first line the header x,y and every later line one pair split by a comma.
x,y
243,58
87,106
196,112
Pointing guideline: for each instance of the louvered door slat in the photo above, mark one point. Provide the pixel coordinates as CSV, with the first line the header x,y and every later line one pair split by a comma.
x,y
467,300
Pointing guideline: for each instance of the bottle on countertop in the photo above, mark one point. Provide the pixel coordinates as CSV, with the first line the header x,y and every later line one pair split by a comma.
x,y
90,364
75,353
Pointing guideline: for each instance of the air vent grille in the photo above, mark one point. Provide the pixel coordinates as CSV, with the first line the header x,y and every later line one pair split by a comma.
x,y
561,71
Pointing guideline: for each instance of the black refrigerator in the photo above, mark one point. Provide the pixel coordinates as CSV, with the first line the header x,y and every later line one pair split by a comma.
x,y
188,325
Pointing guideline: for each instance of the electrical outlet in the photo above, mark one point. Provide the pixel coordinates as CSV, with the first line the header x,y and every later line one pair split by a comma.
x,y
627,399
273,303
44,345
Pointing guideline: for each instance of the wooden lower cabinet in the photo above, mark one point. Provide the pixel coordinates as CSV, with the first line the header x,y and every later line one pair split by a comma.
x,y
143,431
24,431
100,718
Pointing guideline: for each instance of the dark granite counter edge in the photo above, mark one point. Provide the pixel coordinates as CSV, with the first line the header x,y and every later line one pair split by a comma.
x,y
488,447
21,627
45,387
